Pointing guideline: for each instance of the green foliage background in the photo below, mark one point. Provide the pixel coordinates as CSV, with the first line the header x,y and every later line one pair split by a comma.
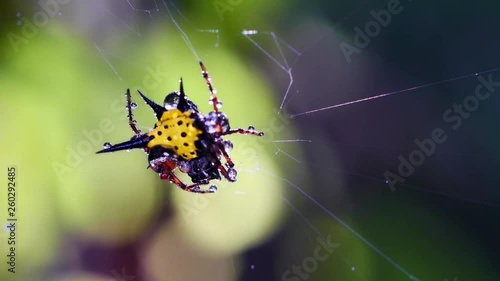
x,y
62,102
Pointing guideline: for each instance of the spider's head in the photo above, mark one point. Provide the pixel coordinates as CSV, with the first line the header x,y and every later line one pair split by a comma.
x,y
161,158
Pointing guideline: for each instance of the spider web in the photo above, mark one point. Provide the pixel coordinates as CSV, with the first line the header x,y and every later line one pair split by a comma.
x,y
289,65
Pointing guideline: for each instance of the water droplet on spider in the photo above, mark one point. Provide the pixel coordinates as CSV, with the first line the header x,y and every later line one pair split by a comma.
x,y
212,188
228,145
223,121
231,172
171,101
184,166
219,104
106,145
133,105
128,150
251,129
210,122
134,122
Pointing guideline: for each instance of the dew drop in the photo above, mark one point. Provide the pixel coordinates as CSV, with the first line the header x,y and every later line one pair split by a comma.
x,y
228,146
171,101
60,14
252,266
212,188
251,129
184,166
232,174
106,145
353,268
219,104
18,14
19,22
133,105
249,32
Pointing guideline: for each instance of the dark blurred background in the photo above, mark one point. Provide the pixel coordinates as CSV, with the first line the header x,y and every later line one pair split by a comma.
x,y
315,177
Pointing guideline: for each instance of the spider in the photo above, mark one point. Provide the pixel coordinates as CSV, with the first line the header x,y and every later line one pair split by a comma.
x,y
186,139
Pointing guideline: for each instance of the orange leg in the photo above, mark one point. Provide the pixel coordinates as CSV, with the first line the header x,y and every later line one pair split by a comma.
x,y
131,120
195,188
250,131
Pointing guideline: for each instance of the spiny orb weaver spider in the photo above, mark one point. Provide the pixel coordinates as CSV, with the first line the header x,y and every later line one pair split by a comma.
x,y
186,139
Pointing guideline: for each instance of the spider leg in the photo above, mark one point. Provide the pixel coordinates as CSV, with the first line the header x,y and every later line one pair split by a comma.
x,y
249,131
229,162
195,188
130,116
164,162
213,92
229,174
213,95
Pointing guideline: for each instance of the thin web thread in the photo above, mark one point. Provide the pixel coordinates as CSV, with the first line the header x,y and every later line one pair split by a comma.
x,y
377,250
342,257
395,92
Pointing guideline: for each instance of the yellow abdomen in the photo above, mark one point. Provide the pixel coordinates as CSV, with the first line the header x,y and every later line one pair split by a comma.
x,y
175,130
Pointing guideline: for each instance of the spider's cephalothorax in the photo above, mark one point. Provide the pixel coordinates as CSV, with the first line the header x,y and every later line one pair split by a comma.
x,y
186,139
